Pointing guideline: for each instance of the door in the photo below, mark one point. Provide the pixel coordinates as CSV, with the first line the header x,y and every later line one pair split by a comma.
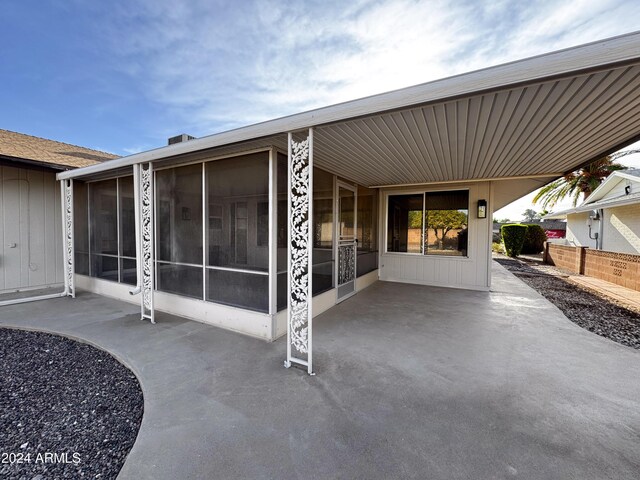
x,y
14,260
347,244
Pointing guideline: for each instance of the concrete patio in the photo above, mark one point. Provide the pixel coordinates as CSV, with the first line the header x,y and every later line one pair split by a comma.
x,y
412,382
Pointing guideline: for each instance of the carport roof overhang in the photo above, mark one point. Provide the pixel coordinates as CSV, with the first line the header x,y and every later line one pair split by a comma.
x,y
533,118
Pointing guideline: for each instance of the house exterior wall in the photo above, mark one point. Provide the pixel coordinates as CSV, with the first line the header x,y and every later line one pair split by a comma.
x,y
469,272
622,229
578,231
30,229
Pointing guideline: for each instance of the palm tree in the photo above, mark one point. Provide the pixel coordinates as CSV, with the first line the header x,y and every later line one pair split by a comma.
x,y
584,181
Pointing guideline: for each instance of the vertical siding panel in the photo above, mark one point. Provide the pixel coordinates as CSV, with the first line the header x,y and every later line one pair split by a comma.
x,y
36,265
57,232
23,220
3,270
53,251
483,232
49,215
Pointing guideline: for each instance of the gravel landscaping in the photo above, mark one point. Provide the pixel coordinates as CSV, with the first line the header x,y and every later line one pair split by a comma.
x,y
588,309
67,409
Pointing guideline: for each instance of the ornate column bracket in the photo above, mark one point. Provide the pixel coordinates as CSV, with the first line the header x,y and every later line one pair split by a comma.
x,y
143,192
300,248
67,232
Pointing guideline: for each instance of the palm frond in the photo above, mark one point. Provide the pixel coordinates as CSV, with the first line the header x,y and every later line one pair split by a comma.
x,y
582,181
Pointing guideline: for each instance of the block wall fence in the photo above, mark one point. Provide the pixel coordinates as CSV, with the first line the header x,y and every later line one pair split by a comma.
x,y
620,268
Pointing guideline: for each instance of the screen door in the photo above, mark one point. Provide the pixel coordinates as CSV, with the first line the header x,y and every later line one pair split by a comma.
x,y
347,243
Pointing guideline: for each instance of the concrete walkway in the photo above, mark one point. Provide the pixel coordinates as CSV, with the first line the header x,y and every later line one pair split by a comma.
x,y
625,296
413,382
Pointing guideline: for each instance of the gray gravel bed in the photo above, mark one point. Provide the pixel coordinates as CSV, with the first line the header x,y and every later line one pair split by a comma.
x,y
67,409
585,308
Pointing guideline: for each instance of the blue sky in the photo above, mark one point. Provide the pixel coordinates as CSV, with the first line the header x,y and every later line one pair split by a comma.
x,y
123,76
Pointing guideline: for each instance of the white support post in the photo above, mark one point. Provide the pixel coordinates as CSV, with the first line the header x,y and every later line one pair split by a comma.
x,y
300,250
66,191
273,239
144,225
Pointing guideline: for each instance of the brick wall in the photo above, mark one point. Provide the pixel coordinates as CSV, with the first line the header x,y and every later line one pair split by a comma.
x,y
564,257
619,268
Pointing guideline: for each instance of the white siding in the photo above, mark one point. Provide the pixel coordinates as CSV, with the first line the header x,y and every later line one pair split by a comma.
x,y
622,229
578,231
30,211
470,272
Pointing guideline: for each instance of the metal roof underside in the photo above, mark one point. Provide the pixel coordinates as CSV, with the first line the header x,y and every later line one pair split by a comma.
x,y
549,120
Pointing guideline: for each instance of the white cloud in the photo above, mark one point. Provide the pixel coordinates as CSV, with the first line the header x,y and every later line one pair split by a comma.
x,y
215,66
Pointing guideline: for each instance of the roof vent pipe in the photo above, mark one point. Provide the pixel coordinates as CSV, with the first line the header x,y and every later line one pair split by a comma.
x,y
180,138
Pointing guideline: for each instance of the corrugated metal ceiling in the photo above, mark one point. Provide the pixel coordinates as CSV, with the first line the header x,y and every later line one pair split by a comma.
x,y
548,127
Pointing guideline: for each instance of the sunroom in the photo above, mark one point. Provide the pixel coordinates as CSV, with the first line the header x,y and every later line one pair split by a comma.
x,y
220,238
261,228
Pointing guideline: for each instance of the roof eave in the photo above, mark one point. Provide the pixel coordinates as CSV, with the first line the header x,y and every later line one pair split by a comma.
x,y
37,163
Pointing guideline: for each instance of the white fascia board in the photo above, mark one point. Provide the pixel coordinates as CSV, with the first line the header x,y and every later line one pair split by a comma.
x,y
601,191
624,49
609,184
628,176
610,204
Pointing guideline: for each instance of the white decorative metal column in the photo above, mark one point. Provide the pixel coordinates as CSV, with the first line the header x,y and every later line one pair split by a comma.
x,y
143,193
300,249
66,191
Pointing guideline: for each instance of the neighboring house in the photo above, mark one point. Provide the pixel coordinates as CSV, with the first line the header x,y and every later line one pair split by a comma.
x,y
30,205
609,219
260,228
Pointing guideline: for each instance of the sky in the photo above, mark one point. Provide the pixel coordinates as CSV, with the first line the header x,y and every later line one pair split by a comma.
x,y
124,75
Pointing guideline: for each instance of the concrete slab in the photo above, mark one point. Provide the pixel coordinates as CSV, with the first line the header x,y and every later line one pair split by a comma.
x,y
412,382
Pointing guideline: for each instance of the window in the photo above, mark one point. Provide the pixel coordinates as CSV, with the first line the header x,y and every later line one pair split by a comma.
x,y
446,223
105,229
127,240
81,227
179,230
323,262
238,231
404,223
367,233
433,223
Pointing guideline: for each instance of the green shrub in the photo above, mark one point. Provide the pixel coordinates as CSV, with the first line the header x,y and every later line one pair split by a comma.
x,y
534,239
513,238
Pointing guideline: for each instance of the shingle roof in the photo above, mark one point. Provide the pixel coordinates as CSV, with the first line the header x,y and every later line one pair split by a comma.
x,y
61,156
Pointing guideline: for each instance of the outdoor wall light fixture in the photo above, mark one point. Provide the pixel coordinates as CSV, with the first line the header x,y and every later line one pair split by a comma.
x,y
482,209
